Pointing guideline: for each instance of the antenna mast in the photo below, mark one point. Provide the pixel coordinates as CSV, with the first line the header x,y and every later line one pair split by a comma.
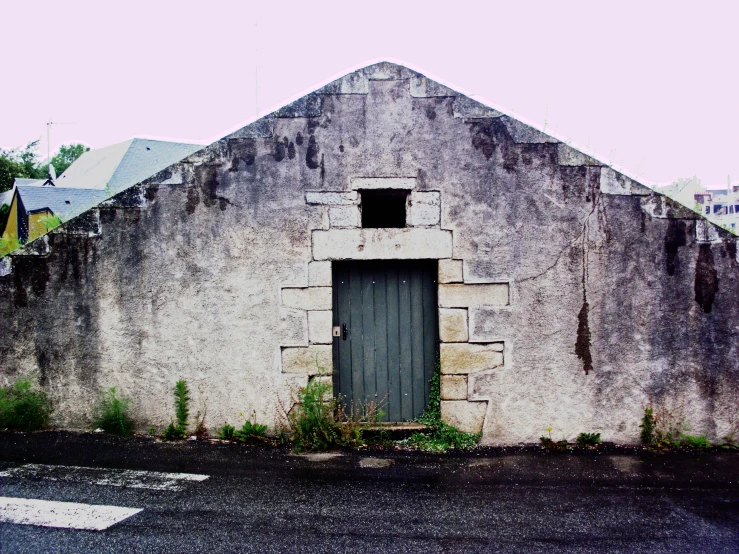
x,y
48,135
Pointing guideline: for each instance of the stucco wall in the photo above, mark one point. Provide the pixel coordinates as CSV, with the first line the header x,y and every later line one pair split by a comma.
x,y
185,276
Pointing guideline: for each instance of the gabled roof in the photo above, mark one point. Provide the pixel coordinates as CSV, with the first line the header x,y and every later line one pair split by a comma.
x,y
100,174
37,182
119,166
7,196
64,202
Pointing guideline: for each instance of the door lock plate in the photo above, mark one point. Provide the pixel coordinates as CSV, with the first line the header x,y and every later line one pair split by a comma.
x,y
336,332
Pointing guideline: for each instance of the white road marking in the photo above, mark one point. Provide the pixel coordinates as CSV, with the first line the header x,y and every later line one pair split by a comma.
x,y
154,480
68,515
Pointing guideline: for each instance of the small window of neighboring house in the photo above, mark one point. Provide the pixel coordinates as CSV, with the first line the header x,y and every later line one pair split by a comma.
x,y
731,209
383,208
717,208
708,209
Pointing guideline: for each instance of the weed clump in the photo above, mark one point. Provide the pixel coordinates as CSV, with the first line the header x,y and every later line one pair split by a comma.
x,y
227,432
547,443
320,422
664,429
588,440
695,443
178,431
439,437
647,427
22,408
251,430
112,414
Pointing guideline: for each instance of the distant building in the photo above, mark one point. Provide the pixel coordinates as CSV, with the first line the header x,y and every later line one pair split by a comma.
x,y
13,220
39,205
721,206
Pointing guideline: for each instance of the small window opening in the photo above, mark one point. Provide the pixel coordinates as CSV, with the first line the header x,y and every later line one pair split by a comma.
x,y
383,208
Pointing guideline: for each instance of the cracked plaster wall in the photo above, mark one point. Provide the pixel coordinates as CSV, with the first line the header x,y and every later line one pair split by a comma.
x,y
181,277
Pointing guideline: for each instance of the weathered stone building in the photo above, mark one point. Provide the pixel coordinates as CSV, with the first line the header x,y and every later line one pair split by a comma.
x,y
568,295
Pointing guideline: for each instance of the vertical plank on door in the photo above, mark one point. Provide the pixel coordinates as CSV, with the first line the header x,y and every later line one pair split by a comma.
x,y
417,342
380,301
406,348
355,336
368,336
393,346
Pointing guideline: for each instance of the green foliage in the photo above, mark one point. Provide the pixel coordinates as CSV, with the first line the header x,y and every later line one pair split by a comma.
x,y
49,222
588,440
19,162
152,431
24,162
227,432
251,431
319,422
112,414
22,408
647,427
178,431
64,157
174,432
9,245
555,446
182,403
694,443
312,421
4,213
432,414
730,441
439,437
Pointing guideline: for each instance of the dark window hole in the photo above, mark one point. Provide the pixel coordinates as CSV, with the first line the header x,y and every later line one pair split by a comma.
x,y
383,208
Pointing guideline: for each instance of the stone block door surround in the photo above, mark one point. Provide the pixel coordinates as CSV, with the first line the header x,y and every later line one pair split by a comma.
x,y
423,238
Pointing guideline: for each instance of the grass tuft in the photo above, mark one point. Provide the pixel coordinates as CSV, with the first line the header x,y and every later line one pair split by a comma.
x,y
112,414
588,440
22,408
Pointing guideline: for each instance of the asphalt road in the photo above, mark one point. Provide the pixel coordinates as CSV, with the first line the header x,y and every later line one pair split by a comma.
x,y
257,499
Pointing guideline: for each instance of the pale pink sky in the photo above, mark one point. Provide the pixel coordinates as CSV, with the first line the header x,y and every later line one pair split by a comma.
x,y
647,86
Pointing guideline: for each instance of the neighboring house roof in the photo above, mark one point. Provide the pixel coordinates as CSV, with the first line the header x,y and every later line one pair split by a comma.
x,y
6,197
37,182
100,174
63,201
122,165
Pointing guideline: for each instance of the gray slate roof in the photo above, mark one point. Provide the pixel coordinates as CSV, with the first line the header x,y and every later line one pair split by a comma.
x,y
63,201
119,166
102,173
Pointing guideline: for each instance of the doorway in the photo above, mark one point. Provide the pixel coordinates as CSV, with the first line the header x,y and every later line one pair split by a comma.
x,y
386,316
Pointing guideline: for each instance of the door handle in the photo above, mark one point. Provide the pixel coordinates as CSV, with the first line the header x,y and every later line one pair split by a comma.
x,y
343,331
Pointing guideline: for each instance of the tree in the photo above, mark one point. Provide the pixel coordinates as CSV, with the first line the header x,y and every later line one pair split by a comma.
x,y
19,162
66,155
24,162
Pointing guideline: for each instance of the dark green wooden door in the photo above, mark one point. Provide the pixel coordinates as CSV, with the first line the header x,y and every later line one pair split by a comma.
x,y
386,313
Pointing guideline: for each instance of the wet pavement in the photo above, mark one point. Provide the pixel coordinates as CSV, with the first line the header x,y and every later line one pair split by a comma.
x,y
199,496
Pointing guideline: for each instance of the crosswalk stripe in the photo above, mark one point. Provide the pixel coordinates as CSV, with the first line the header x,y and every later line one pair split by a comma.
x,y
70,515
154,480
